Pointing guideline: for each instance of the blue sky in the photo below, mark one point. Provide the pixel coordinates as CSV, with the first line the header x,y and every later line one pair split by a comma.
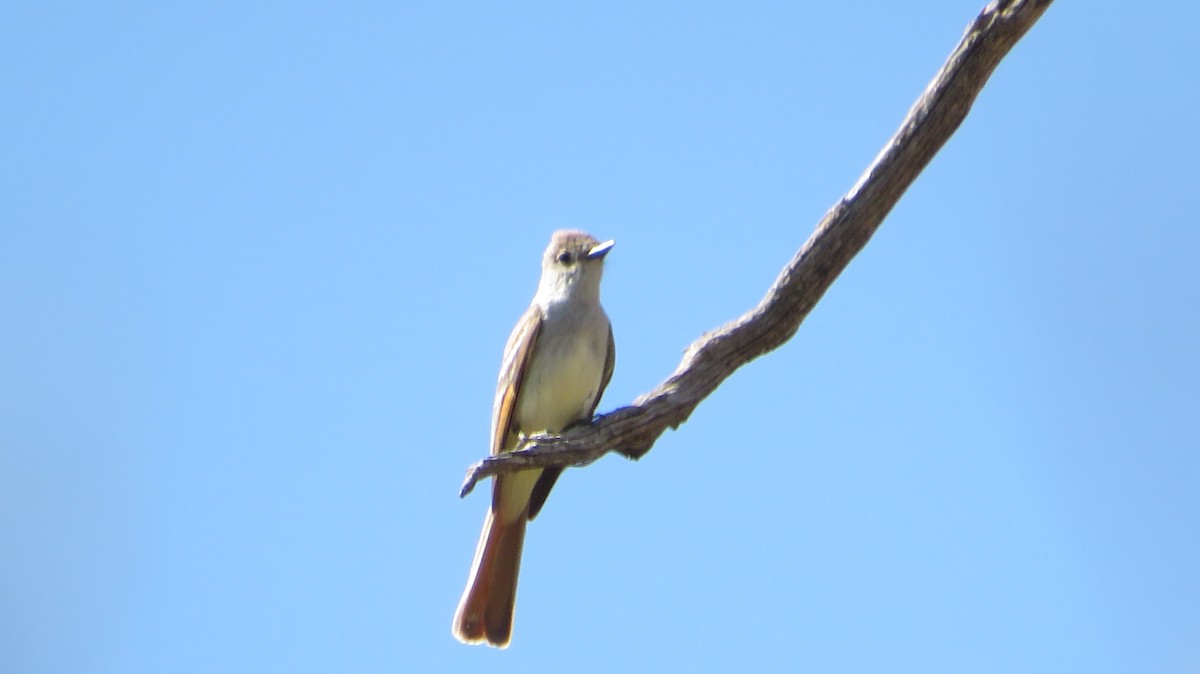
x,y
258,263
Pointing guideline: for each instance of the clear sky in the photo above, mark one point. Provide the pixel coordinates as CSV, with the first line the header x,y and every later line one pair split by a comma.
x,y
258,264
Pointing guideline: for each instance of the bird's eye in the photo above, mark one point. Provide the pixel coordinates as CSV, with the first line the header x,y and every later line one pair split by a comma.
x,y
564,257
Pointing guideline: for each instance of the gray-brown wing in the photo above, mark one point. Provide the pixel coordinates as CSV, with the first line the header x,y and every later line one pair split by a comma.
x,y
610,361
508,387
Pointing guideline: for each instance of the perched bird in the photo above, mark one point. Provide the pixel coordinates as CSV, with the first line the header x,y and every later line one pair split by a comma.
x,y
556,365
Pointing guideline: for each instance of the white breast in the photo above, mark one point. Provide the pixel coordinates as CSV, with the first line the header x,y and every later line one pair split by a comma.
x,y
561,383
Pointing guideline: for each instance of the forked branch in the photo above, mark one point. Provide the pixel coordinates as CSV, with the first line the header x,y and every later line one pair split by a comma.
x,y
845,229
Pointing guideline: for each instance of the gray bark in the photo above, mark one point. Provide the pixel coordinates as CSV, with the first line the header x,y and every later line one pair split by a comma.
x,y
841,234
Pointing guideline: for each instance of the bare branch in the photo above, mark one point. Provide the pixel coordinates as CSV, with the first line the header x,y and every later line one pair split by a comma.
x,y
633,430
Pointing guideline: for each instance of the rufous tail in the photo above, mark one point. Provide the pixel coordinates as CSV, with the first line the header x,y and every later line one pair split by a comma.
x,y
485,612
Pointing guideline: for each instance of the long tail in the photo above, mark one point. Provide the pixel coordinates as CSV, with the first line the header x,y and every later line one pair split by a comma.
x,y
485,612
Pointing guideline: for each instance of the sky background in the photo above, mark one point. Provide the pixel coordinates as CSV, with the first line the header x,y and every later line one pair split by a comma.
x,y
258,264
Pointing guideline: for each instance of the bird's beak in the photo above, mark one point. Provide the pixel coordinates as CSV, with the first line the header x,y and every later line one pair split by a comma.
x,y
600,250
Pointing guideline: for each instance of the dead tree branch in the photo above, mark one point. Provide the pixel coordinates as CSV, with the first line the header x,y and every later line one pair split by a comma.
x,y
632,430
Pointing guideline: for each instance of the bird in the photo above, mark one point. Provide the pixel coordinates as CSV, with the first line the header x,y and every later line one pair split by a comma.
x,y
556,365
